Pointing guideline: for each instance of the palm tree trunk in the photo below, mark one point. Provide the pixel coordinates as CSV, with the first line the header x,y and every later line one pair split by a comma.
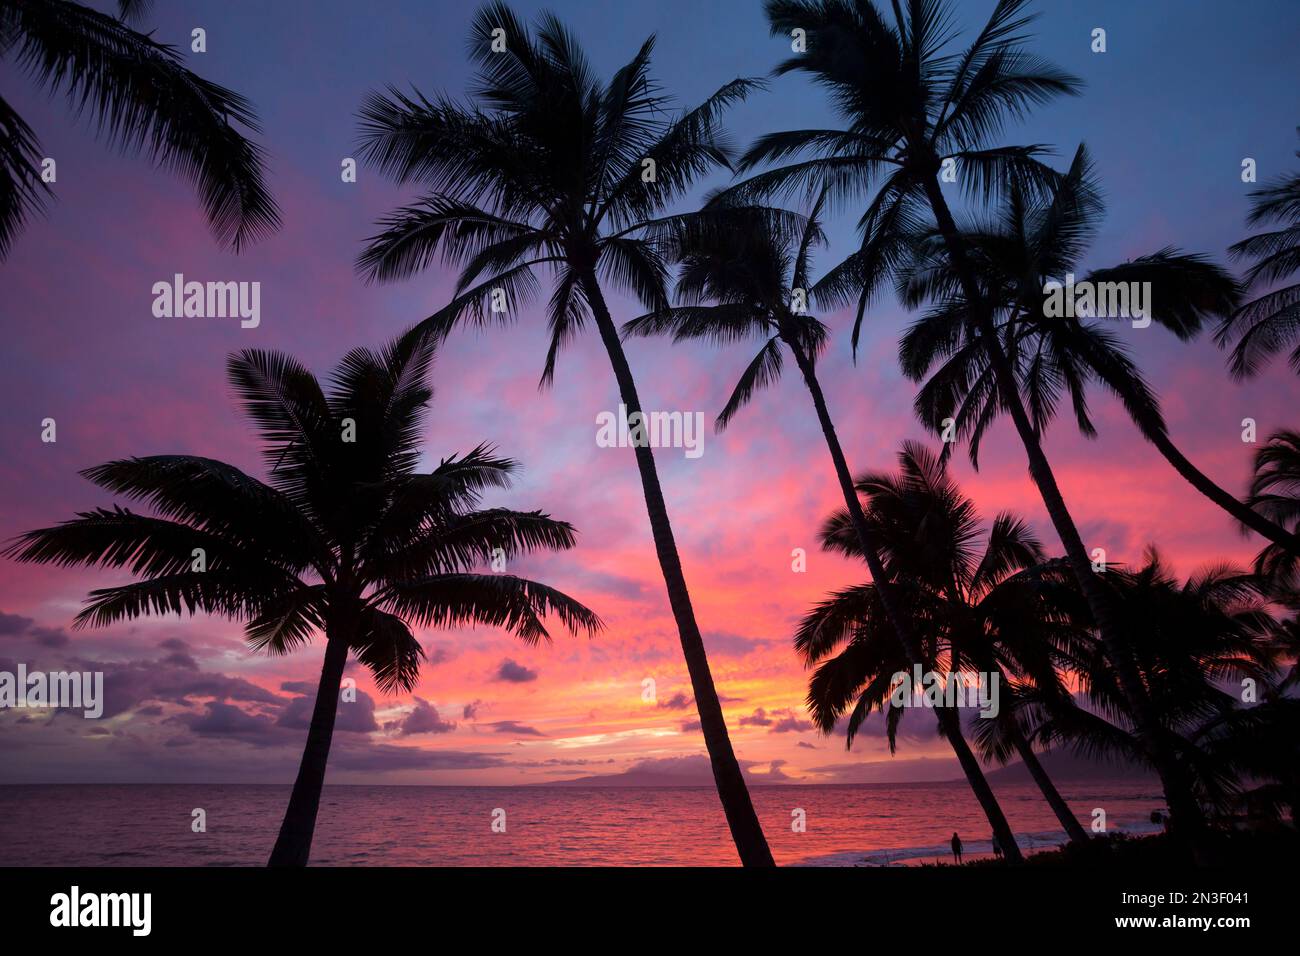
x,y
746,831
1073,828
293,845
1156,434
1175,781
950,721
911,648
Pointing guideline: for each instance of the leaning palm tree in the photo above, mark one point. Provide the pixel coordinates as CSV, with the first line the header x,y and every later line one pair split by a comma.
x,y
550,168
1275,493
1271,321
913,108
745,273
141,99
349,538
1026,247
998,610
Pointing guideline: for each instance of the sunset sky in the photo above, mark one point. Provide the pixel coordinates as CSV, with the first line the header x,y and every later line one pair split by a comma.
x,y
1169,112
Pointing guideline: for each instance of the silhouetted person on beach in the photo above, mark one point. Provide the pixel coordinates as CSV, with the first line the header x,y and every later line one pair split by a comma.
x,y
997,848
956,847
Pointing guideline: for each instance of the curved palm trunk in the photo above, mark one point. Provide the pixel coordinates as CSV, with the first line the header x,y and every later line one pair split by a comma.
x,y
1073,828
746,831
293,845
948,720
1184,810
1248,516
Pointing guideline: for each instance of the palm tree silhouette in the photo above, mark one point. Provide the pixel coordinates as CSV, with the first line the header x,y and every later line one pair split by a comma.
x,y
548,167
349,539
1258,746
913,109
1271,322
1010,734
141,99
999,610
745,273
1028,245
1275,493
1193,641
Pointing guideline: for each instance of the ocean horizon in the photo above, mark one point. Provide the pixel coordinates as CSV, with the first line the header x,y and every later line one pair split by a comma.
x,y
534,825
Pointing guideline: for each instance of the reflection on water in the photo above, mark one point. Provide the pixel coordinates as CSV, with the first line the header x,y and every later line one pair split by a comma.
x,y
142,825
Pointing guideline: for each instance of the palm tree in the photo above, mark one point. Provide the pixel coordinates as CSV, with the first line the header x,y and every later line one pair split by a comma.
x,y
912,108
1011,735
1260,747
550,168
349,539
1193,642
1270,322
141,99
1000,610
1275,493
1025,248
745,274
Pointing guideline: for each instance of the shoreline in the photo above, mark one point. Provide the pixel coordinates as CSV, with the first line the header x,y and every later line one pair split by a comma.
x,y
973,850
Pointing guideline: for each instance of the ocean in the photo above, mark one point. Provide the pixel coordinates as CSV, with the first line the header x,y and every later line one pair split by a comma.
x,y
882,824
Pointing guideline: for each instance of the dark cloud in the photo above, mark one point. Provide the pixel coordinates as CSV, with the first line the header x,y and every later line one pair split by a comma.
x,y
783,721
50,636
514,673
678,701
181,659
790,724
516,728
805,745
14,624
423,719
774,773
381,758
354,716
227,720
131,684
219,728
471,710
690,725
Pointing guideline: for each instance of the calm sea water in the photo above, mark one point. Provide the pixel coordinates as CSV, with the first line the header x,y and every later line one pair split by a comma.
x,y
144,825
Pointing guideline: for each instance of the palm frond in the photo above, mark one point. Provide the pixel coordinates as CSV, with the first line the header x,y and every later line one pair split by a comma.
x,y
142,99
